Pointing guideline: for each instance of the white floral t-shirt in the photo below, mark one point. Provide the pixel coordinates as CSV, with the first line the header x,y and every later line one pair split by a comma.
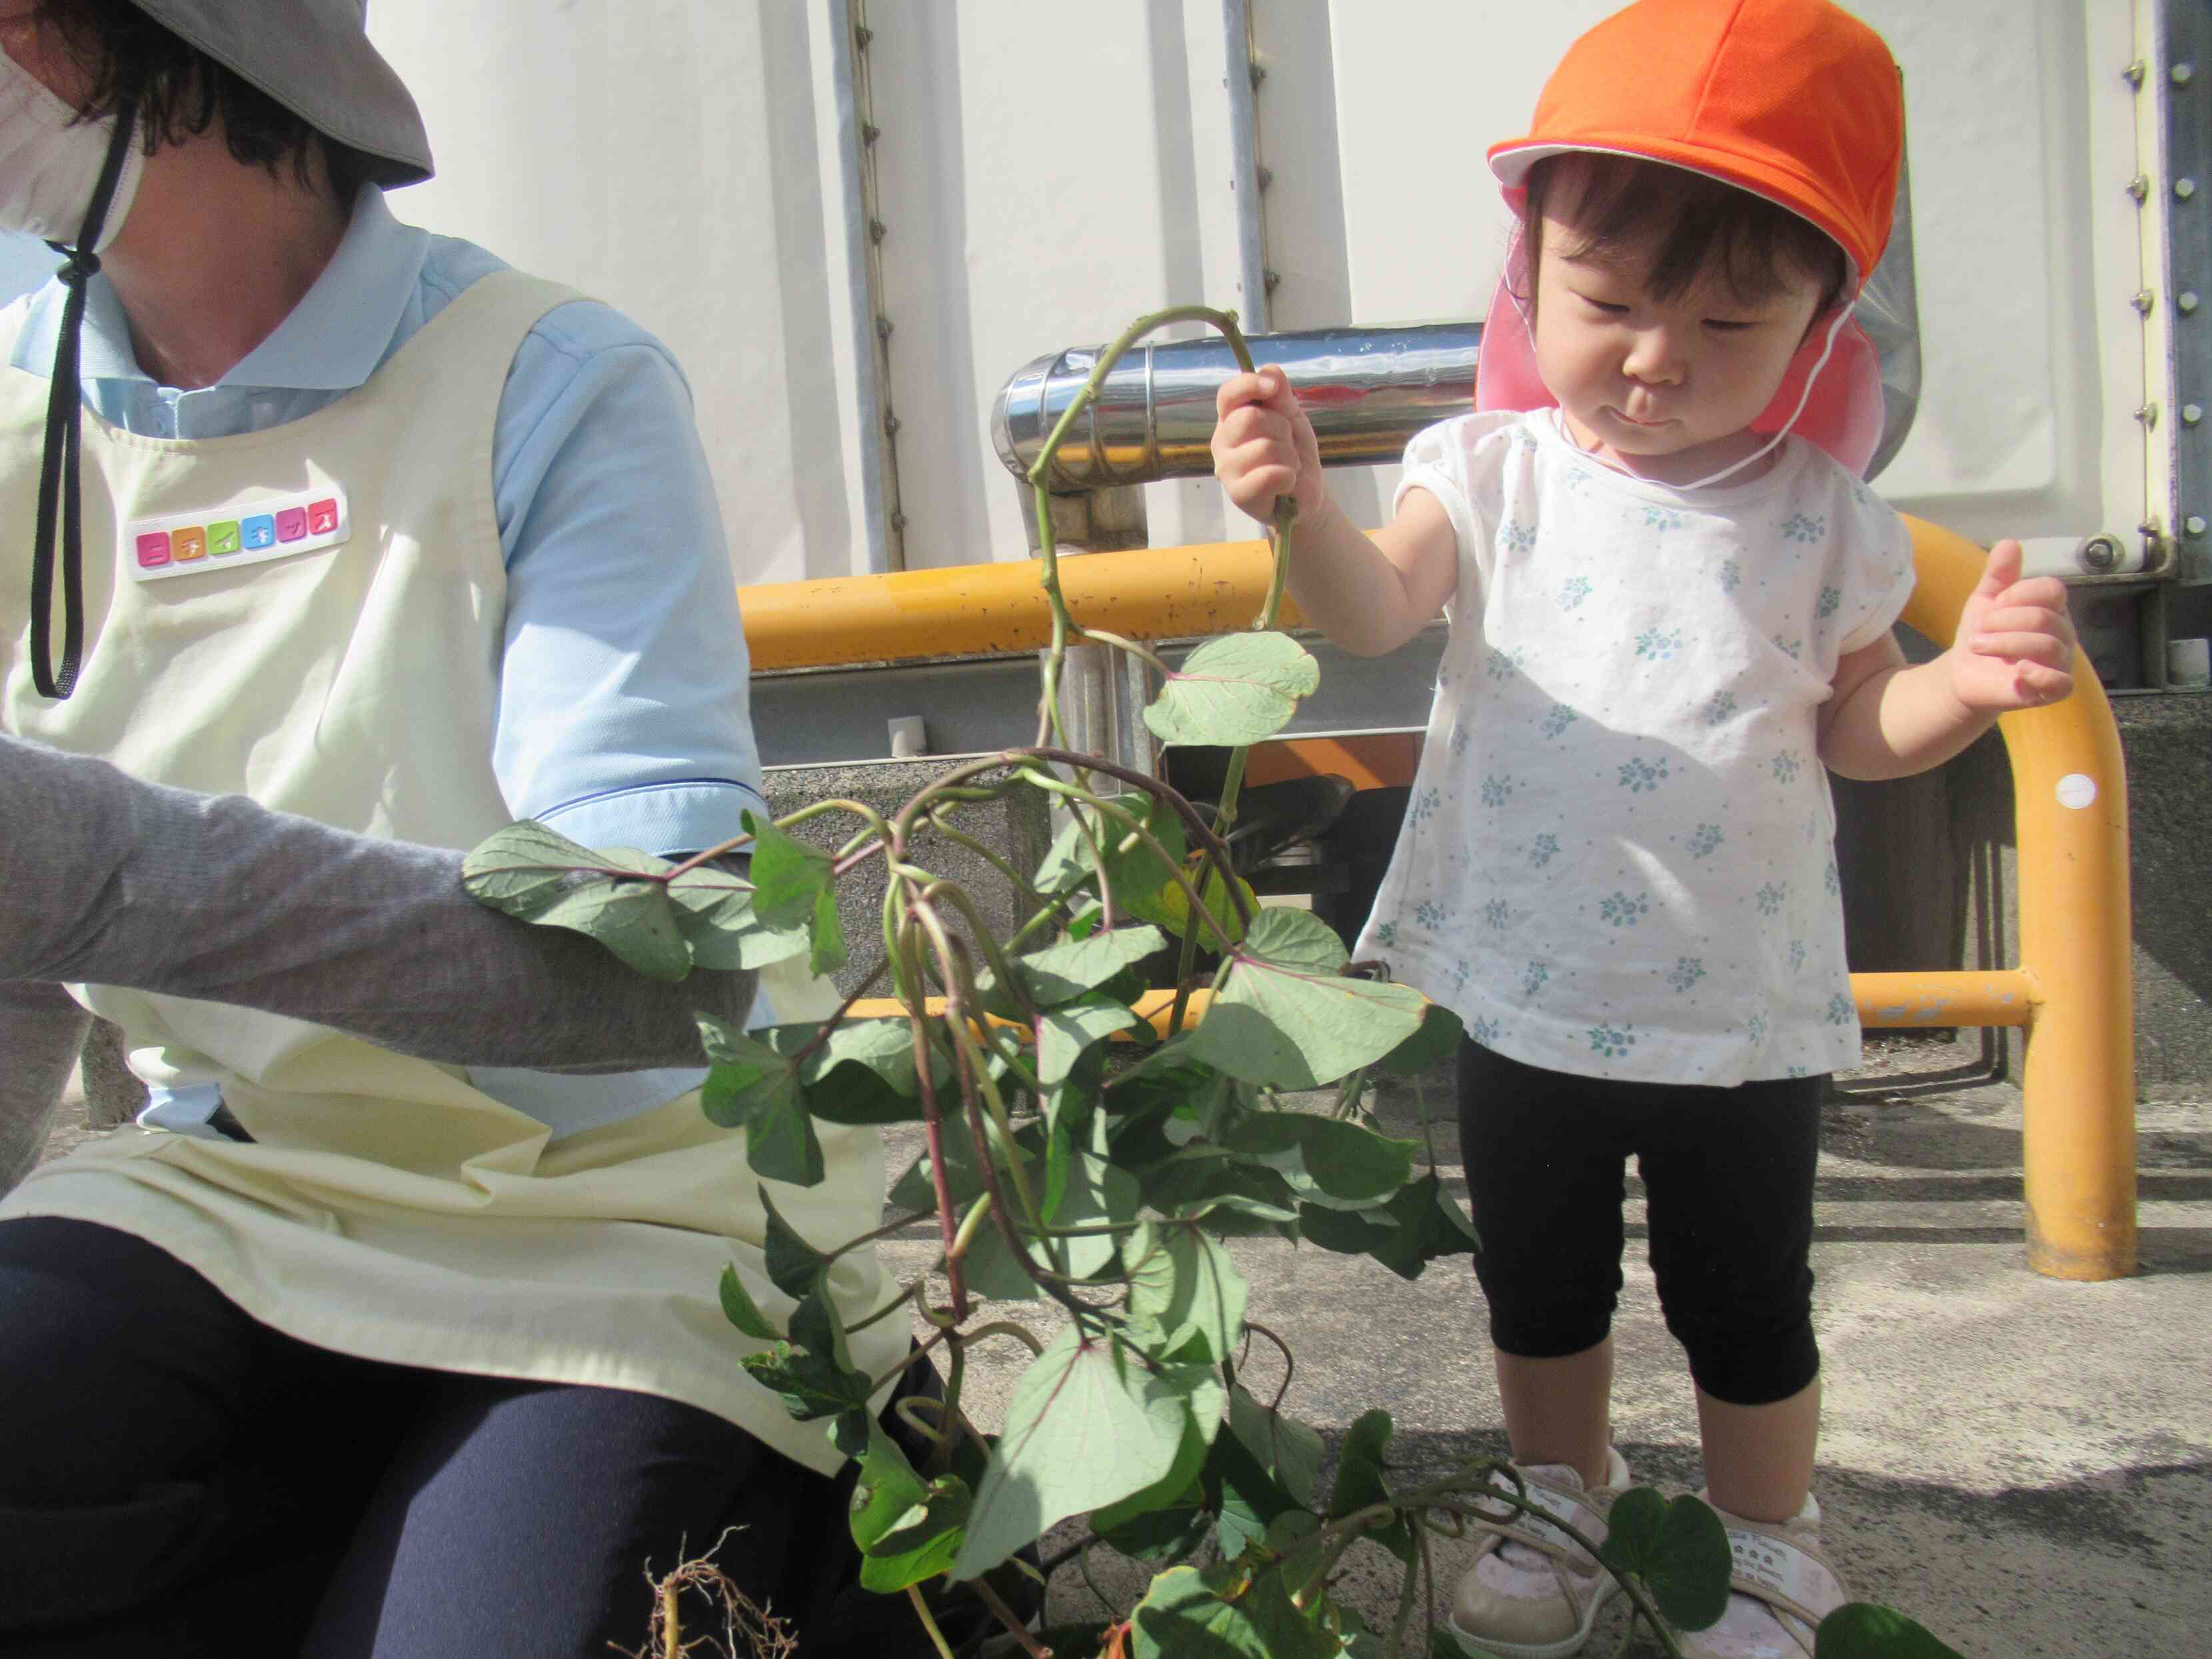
x,y
1618,857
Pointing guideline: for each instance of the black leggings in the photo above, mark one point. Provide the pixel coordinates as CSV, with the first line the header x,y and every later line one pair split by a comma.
x,y
178,1479
1728,1178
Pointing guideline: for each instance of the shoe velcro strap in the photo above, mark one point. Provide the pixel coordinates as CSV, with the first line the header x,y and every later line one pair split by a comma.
x,y
1784,1574
1566,1503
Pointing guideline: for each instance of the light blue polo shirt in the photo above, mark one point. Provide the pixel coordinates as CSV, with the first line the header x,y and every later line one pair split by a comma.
x,y
623,715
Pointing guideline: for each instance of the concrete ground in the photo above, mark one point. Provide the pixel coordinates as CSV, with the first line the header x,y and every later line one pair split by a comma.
x,y
2022,1464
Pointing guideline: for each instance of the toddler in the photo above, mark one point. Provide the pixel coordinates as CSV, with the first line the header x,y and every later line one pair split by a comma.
x,y
1670,600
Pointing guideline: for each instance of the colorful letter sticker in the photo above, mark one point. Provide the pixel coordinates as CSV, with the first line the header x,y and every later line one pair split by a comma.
x,y
245,531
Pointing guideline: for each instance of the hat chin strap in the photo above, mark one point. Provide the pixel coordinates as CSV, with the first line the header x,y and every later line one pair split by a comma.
x,y
60,504
1804,396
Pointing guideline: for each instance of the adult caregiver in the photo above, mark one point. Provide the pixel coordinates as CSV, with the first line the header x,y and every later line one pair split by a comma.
x,y
331,547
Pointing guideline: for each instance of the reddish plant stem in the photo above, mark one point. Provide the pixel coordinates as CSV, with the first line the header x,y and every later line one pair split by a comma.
x,y
1006,1615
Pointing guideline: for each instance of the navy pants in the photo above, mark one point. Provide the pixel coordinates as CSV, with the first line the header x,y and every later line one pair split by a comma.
x,y
1728,1179
180,1480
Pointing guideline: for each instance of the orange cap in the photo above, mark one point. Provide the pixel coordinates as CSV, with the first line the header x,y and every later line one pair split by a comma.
x,y
1796,101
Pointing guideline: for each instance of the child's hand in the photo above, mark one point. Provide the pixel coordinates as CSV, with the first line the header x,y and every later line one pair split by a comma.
x,y
1264,446
2015,645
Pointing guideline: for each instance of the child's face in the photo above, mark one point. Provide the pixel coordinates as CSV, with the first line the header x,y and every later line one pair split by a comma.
x,y
1665,389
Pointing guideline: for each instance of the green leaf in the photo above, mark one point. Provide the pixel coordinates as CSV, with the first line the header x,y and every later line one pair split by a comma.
x,y
1088,1425
1064,1033
1168,1519
750,1087
1131,865
715,912
741,1310
794,1265
1062,973
788,875
812,1372
1186,1297
1862,1630
1326,1157
1347,1232
908,1530
1094,1193
1422,1222
1248,1498
864,1071
1295,939
1681,1550
1223,1613
1171,905
1360,1482
1239,689
1289,1451
993,1271
1206,1182
1287,1019
1436,1041
539,876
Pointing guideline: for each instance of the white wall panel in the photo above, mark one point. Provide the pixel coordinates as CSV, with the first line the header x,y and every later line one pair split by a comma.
x,y
665,156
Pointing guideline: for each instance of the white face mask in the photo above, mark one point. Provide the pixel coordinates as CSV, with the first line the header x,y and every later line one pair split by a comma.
x,y
50,162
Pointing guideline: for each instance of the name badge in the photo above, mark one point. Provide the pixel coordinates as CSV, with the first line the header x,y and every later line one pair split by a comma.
x,y
244,533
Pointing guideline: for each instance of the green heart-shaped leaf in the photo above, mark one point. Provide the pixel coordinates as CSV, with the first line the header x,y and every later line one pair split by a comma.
x,y
539,875
1679,1549
1236,690
1861,1630
741,1310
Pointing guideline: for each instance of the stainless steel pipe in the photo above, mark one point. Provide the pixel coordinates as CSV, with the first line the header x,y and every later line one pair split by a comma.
x,y
1367,390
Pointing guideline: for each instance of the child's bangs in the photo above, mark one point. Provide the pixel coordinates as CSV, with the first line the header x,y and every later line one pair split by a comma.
x,y
1680,224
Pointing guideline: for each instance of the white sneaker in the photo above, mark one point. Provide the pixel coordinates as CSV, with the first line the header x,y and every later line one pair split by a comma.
x,y
1531,1594
1783,1589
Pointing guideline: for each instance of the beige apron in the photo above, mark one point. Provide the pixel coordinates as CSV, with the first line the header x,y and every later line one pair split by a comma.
x,y
386,1209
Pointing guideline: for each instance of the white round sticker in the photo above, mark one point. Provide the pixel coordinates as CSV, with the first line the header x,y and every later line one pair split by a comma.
x,y
2076,790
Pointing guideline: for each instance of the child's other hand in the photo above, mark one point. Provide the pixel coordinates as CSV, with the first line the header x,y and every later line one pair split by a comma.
x,y
1263,445
2016,644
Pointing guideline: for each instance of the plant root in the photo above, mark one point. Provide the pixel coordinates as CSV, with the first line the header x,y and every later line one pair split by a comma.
x,y
747,1631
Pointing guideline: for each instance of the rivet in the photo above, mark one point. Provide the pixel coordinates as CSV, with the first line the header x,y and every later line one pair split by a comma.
x,y
2194,524
2147,414
1266,177
892,424
898,519
2184,189
883,328
877,230
870,132
2139,188
863,34
2142,300
1271,278
2191,413
2182,74
2133,74
1259,74
2186,300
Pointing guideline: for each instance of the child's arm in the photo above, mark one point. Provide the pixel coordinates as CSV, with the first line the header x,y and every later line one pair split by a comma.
x,y
1368,593
2014,649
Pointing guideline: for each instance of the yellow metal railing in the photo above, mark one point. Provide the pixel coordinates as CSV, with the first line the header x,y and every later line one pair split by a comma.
x,y
2071,991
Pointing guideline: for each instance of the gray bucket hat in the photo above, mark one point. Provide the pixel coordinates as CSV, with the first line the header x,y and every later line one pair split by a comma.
x,y
314,57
